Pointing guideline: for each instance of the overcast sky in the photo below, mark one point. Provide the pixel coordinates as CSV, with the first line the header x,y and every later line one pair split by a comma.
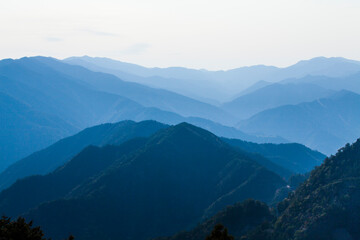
x,y
191,33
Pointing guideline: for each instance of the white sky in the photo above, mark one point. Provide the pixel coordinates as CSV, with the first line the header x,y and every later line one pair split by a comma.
x,y
192,33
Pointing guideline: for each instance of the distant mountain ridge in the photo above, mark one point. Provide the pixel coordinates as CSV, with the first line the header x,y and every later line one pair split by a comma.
x,y
350,82
222,85
274,95
50,100
325,124
146,96
252,88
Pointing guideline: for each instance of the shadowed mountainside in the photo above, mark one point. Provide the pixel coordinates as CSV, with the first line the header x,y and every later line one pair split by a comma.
x,y
326,206
154,169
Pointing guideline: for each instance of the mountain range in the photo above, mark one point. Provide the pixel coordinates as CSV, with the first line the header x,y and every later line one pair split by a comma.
x,y
217,86
185,174
292,156
277,158
325,124
103,149
350,82
44,100
62,151
324,206
274,95
297,85
48,99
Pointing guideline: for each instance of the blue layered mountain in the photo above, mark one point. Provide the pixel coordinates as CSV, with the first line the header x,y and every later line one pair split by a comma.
x,y
325,124
164,184
274,95
49,100
217,85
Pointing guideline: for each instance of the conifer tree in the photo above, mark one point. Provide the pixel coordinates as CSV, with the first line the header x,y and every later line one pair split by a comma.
x,y
219,233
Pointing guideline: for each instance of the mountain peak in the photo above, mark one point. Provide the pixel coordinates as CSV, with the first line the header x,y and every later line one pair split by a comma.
x,y
326,61
344,94
184,133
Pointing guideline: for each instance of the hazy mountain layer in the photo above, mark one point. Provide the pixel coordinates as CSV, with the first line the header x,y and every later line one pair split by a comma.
x,y
274,95
350,82
45,106
325,124
217,85
21,124
44,100
146,96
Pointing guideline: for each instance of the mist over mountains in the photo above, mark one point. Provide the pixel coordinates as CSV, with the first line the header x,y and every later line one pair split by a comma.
x,y
222,85
274,95
103,149
50,100
324,124
256,89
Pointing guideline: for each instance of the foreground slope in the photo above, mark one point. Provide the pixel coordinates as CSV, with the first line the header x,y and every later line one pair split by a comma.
x,y
181,175
238,219
326,206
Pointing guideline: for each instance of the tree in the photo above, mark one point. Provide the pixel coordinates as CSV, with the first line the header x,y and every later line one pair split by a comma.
x,y
20,230
219,233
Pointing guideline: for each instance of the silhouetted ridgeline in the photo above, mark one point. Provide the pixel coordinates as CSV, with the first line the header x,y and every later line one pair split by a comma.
x,y
52,157
168,182
283,159
326,206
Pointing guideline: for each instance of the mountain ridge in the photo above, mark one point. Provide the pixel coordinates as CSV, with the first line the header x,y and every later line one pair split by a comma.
x,y
155,172
323,207
325,124
236,80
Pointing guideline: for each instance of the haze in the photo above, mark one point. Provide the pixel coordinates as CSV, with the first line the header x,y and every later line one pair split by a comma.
x,y
197,34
